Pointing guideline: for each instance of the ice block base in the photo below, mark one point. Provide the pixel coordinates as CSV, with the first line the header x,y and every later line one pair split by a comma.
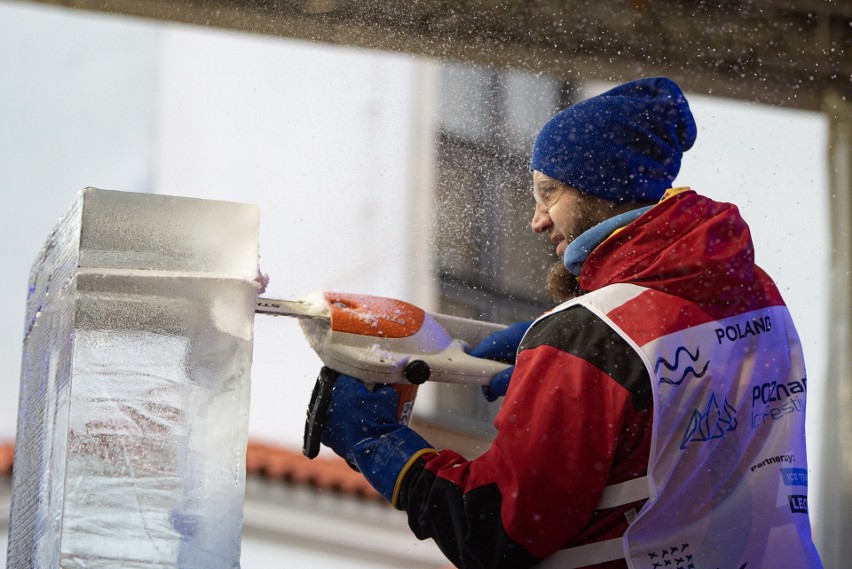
x,y
133,414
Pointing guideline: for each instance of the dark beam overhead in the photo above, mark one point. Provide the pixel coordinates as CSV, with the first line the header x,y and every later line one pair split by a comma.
x,y
784,52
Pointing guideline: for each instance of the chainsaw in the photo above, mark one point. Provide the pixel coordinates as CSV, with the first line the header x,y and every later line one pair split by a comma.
x,y
382,341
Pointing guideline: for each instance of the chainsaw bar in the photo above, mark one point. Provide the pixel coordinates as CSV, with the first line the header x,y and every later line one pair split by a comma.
x,y
291,308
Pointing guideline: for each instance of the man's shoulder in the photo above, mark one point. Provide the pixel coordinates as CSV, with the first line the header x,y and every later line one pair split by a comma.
x,y
577,323
580,332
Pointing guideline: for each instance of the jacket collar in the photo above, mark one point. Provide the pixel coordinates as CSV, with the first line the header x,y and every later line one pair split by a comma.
x,y
578,250
687,245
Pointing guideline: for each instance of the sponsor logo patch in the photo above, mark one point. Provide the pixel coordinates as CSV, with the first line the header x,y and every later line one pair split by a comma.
x,y
741,330
678,375
773,400
794,476
710,423
798,503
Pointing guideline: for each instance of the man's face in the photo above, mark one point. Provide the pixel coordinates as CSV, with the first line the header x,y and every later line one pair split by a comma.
x,y
563,212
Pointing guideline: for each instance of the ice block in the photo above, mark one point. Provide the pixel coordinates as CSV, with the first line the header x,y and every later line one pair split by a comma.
x,y
133,410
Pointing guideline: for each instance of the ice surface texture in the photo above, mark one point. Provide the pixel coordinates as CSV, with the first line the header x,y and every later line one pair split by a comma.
x,y
133,411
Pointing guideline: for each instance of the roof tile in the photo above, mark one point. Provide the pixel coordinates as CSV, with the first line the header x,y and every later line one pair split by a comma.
x,y
7,456
277,464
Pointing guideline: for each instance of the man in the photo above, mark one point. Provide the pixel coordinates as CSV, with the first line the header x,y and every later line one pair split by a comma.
x,y
656,420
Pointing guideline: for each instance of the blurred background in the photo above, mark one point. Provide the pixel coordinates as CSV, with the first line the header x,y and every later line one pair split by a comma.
x,y
387,145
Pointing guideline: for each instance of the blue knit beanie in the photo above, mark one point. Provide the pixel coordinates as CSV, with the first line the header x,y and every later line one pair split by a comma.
x,y
623,145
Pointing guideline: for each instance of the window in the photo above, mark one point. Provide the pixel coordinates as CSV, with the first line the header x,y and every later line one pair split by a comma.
x,y
489,264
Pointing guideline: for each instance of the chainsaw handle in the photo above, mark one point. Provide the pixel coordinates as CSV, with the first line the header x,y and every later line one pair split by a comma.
x,y
452,365
317,416
318,411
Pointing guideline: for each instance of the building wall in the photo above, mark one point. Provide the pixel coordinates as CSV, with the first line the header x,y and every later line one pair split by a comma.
x,y
76,109
322,139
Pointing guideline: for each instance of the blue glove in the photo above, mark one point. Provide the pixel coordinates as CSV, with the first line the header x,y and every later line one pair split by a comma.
x,y
362,427
501,346
499,385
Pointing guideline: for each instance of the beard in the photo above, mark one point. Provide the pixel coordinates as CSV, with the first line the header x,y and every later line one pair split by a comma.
x,y
561,284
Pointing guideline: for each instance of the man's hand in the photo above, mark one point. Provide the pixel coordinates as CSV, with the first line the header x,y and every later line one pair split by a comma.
x,y
362,427
501,346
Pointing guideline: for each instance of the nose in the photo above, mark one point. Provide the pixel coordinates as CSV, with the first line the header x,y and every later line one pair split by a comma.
x,y
541,221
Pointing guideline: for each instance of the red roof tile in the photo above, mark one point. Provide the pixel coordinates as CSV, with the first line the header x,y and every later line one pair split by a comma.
x,y
292,467
277,464
7,455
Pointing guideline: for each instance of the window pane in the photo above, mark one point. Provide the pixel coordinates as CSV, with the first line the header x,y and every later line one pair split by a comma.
x,y
529,102
465,102
490,264
522,257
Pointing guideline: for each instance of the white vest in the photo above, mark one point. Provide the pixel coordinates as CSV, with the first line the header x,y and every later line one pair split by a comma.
x,y
727,473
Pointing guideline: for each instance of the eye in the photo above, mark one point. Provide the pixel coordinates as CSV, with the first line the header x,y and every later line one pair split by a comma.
x,y
544,195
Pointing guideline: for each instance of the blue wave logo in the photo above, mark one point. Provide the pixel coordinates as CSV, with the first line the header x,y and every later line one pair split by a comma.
x,y
690,370
711,423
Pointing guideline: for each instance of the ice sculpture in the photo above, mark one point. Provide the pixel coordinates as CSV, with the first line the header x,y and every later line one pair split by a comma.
x,y
133,411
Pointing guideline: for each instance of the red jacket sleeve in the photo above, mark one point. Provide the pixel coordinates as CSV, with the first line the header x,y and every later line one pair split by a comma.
x,y
576,418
